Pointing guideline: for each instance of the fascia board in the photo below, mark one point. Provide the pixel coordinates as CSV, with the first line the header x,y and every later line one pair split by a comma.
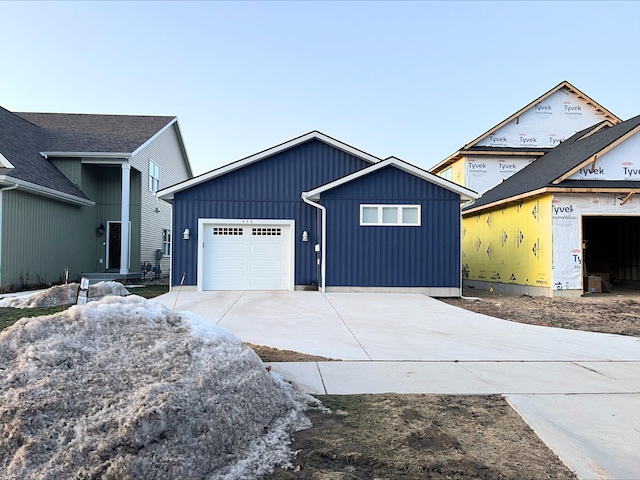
x,y
465,193
122,155
167,193
597,154
154,136
549,190
183,148
46,192
4,162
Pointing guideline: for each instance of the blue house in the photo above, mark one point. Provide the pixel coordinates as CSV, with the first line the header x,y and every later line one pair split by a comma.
x,y
314,212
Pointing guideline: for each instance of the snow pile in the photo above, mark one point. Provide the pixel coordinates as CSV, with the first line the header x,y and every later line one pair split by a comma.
x,y
125,388
64,294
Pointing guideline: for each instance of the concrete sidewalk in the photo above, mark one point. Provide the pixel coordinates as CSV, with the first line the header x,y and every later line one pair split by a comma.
x,y
580,391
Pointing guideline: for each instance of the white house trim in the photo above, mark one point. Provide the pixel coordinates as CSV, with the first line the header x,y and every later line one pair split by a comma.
x,y
465,193
45,191
87,154
167,193
4,162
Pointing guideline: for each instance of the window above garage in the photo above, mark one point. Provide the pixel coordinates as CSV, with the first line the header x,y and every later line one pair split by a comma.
x,y
390,215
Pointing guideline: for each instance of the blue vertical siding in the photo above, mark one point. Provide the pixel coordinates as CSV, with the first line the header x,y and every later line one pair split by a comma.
x,y
268,189
425,256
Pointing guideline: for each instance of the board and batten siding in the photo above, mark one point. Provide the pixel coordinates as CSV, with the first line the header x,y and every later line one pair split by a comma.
x,y
267,189
165,150
392,256
41,237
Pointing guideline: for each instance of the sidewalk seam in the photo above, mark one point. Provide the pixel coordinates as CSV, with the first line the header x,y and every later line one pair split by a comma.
x,y
230,307
347,326
324,387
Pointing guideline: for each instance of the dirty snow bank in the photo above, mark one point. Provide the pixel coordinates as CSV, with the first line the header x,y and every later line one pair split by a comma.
x,y
55,296
125,388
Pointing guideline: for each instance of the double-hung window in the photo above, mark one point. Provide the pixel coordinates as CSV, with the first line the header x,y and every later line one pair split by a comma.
x,y
390,215
166,242
154,176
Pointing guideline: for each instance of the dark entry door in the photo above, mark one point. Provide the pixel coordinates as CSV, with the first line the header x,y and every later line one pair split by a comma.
x,y
115,229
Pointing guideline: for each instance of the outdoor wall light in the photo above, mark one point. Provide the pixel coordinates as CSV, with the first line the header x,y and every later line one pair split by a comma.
x,y
305,236
186,234
100,229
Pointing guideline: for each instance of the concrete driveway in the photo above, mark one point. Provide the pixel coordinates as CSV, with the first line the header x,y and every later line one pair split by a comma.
x,y
580,391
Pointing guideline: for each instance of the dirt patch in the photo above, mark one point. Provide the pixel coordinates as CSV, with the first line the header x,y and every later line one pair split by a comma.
x,y
270,354
394,436
604,313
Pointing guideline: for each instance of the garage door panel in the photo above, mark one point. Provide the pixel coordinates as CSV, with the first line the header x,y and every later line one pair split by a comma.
x,y
273,265
267,248
244,257
223,247
266,283
230,265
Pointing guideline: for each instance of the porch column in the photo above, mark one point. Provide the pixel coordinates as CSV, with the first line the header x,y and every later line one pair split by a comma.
x,y
124,216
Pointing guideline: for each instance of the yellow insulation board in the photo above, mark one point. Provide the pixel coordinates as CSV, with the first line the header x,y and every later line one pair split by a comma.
x,y
457,171
510,245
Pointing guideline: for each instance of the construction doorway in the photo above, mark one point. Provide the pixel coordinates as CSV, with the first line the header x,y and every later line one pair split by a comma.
x,y
613,249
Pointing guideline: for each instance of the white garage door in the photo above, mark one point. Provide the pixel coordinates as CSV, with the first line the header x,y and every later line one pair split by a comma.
x,y
246,257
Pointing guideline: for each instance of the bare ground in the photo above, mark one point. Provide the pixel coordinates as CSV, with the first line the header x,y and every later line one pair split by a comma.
x,y
617,312
394,436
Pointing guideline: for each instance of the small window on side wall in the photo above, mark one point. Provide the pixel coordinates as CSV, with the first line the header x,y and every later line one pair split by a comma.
x,y
166,242
154,176
390,215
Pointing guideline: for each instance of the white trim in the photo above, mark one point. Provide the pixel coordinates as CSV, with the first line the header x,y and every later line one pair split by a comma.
x,y
226,221
105,161
122,155
4,162
46,192
380,220
154,136
167,193
323,240
125,248
465,193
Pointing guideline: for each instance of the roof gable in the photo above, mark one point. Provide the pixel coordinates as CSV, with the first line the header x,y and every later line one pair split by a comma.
x,y
560,165
168,193
537,127
547,120
465,193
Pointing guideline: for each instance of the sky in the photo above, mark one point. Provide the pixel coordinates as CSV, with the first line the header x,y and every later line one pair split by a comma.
x,y
414,80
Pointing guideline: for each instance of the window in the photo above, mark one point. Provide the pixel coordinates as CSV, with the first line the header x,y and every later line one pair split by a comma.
x,y
390,215
166,242
448,173
154,176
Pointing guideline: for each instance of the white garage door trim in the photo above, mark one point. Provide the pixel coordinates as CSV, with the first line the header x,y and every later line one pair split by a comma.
x,y
204,222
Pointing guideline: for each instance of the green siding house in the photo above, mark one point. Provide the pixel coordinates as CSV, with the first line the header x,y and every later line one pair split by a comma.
x,y
78,194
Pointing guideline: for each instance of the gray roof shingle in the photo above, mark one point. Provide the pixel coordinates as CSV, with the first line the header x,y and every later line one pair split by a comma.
x,y
20,143
24,135
72,132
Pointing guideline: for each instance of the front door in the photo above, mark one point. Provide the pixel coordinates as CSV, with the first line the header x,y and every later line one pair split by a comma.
x,y
114,245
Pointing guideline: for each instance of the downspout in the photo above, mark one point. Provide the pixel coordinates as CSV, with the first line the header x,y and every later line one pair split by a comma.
x,y
323,236
2,190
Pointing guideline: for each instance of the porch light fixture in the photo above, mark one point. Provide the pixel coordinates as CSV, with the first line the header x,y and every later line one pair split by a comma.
x,y
100,229
186,234
305,236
